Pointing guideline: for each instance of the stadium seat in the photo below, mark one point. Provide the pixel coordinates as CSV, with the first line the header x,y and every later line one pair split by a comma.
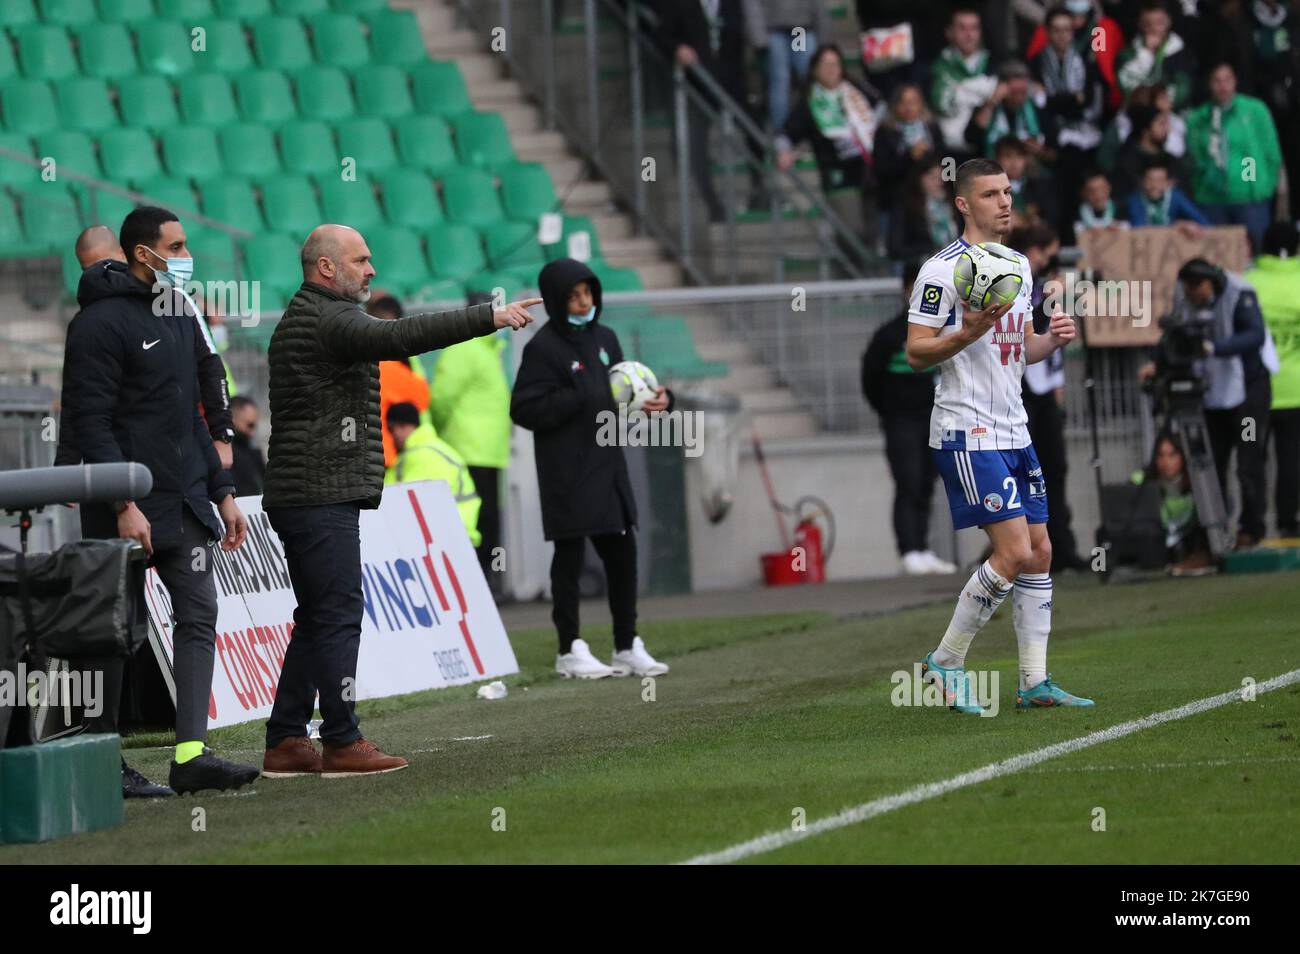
x,y
483,141
128,154
398,259
486,283
455,251
526,191
272,258
29,106
339,40
190,9
191,152
302,8
147,101
17,13
68,13
324,93
578,240
207,100
244,9
71,150
306,146
409,198
8,65
280,43
106,51
370,143
45,52
359,6
512,247
233,202
227,49
13,172
128,11
382,91
164,47
106,208
215,254
437,290
350,203
395,38
248,149
50,218
170,193
84,104
290,204
440,89
265,96
617,279
470,197
425,142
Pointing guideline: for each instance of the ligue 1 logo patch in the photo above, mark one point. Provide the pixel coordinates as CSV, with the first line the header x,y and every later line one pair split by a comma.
x,y
993,502
931,295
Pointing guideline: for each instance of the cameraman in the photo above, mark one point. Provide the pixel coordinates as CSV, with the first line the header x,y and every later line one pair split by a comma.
x,y
1219,310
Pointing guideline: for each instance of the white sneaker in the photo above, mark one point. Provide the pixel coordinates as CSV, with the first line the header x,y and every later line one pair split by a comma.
x,y
938,564
636,661
579,663
915,563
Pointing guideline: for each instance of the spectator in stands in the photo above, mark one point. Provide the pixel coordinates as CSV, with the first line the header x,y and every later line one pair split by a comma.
x,y
960,80
837,118
561,393
1119,130
398,381
1033,193
901,39
1233,149
1159,201
1276,278
250,465
469,405
1097,209
923,220
1147,141
1186,544
1096,37
903,398
1275,55
908,137
1157,56
793,29
423,455
1009,111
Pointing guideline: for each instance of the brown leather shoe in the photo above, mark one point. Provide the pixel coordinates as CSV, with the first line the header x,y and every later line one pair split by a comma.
x,y
361,757
291,758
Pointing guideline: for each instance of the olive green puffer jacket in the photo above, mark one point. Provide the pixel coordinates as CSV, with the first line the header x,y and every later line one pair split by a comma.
x,y
326,444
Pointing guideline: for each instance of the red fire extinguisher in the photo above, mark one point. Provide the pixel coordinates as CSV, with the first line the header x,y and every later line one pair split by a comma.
x,y
808,551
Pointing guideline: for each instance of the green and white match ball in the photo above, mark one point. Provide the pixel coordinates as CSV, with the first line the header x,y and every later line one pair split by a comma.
x,y
632,383
987,274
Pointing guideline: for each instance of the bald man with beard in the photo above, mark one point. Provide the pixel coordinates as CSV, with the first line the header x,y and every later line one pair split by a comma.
x,y
325,465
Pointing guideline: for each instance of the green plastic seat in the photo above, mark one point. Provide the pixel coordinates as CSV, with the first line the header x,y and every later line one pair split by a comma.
x,y
45,52
425,143
68,13
29,106
339,40
8,64
359,6
265,96
370,143
617,279
526,191
207,100
281,43
578,240
128,11
248,149
13,172
398,258
85,104
51,221
324,93
128,154
172,194
191,152
146,101
437,290
382,91
273,259
106,51
512,246
290,203
71,150
12,243
470,197
440,88
17,13
350,203
455,251
227,49
216,256
486,283
190,10
243,9
233,202
301,8
409,198
105,208
306,146
395,38
482,140
164,47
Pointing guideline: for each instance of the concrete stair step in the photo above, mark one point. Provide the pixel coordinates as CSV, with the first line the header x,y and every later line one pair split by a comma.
x,y
772,427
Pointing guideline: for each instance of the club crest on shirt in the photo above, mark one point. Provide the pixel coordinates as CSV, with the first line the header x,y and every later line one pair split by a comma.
x,y
993,502
576,366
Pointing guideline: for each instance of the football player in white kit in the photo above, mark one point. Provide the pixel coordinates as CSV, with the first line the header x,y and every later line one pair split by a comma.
x,y
981,443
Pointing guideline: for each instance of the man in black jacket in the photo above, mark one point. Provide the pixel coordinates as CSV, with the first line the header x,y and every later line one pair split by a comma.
x,y
132,388
326,465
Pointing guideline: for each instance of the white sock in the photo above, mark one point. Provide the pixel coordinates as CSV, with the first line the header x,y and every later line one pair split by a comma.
x,y
980,597
1031,610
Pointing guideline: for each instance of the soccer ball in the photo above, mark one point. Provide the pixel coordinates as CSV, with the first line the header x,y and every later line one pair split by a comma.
x,y
632,383
987,274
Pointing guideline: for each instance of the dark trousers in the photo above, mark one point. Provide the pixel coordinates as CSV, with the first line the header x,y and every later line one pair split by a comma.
x,y
487,481
1047,431
617,551
1285,425
911,464
322,545
1225,430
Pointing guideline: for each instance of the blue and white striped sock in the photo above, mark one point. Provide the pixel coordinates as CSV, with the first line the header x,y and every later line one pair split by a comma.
x,y
1031,611
980,597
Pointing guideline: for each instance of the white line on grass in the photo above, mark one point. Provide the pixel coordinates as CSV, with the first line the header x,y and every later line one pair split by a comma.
x,y
920,793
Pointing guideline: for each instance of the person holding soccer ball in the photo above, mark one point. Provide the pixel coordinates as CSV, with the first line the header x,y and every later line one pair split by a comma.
x,y
981,339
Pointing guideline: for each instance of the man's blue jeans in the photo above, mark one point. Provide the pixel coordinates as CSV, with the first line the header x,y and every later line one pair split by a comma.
x,y
781,60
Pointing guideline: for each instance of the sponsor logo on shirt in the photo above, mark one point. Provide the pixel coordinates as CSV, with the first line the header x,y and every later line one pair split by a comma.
x,y
978,431
1009,336
931,295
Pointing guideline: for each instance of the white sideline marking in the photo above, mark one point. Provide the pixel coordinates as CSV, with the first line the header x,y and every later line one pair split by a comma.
x,y
920,793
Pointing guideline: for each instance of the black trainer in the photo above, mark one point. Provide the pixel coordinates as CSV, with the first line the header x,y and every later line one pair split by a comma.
x,y
135,785
208,771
